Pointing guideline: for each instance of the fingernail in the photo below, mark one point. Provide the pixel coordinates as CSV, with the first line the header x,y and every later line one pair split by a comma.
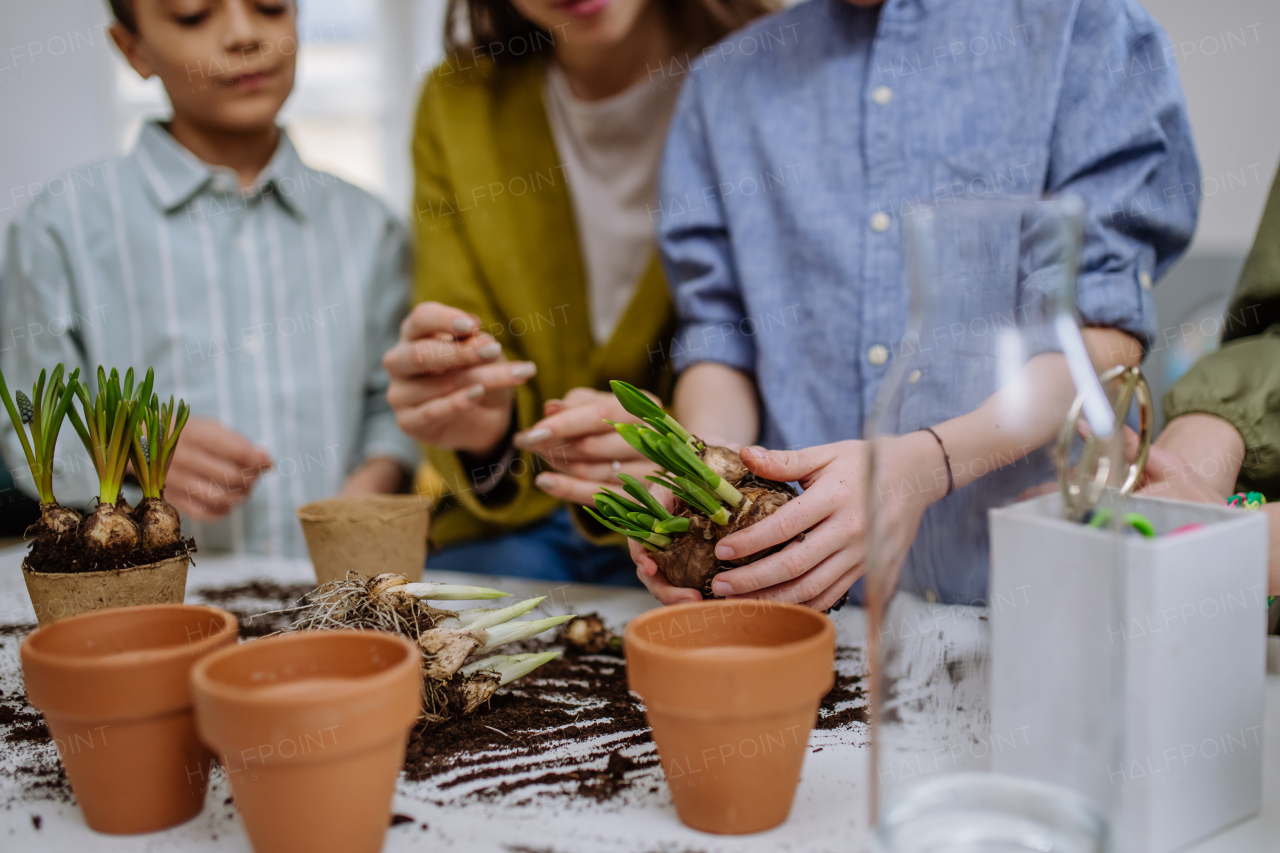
x,y
533,436
463,324
523,370
757,450
475,392
545,481
724,552
721,588
492,350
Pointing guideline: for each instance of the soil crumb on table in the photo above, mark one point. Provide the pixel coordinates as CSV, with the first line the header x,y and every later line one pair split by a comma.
x,y
261,607
32,760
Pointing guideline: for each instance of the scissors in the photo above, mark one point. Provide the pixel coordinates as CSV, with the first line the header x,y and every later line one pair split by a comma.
x,y
1084,485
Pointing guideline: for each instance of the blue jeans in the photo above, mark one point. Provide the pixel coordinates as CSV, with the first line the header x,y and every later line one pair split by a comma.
x,y
552,549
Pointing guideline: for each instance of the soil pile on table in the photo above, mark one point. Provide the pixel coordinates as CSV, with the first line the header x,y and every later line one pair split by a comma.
x,y
572,725
572,729
37,770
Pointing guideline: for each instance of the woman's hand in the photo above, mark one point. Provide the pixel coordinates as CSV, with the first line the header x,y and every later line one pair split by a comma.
x,y
450,385
586,452
647,570
832,515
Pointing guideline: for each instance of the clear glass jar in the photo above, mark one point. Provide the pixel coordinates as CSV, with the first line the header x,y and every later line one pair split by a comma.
x,y
995,686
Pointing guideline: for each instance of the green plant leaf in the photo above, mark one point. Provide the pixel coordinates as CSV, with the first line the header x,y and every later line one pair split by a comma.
x,y
637,490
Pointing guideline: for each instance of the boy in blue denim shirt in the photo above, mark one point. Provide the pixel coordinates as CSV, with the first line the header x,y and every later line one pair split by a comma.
x,y
852,116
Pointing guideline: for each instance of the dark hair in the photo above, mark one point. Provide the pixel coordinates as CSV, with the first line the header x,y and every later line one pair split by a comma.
x,y
497,22
123,11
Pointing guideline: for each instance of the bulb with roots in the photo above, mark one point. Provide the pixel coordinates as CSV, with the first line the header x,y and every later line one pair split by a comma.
x,y
109,529
690,560
56,523
159,525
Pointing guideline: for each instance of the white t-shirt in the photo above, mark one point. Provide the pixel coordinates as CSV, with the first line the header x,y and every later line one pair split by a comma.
x,y
610,151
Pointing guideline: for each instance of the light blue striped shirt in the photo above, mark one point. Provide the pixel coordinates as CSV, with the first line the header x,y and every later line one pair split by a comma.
x,y
267,310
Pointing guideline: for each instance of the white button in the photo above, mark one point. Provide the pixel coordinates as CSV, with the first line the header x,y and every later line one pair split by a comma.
x,y
914,377
882,95
878,354
224,183
880,222
1144,279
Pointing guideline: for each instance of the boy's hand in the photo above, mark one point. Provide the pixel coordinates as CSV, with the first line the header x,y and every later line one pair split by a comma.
x,y
832,514
213,470
450,385
576,441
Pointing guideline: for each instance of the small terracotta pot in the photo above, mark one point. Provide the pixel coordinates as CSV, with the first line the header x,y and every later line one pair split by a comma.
x,y
731,690
370,534
57,595
114,688
311,729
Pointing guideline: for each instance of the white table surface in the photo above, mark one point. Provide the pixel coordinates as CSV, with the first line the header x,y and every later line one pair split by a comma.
x,y
829,812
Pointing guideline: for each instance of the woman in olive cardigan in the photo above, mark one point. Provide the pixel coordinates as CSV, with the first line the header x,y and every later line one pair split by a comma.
x,y
525,311
1223,430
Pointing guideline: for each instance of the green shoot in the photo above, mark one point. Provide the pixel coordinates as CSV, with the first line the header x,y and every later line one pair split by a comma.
x,y
642,406
679,459
43,418
111,420
637,490
509,667
694,495
154,444
642,533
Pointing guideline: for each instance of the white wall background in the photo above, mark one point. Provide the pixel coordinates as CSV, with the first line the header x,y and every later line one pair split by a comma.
x,y
1229,58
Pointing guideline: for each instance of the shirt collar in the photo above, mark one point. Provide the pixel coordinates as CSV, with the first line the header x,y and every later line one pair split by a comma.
x,y
175,175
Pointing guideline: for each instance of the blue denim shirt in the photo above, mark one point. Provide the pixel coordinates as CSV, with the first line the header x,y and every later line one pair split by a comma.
x,y
801,142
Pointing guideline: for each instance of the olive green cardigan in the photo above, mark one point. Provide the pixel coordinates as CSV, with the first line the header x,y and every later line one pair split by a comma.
x,y
496,237
1240,383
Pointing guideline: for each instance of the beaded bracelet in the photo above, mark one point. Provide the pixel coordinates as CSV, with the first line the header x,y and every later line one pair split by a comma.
x,y
1252,501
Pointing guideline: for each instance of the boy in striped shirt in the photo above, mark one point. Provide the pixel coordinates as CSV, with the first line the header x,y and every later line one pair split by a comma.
x,y
262,291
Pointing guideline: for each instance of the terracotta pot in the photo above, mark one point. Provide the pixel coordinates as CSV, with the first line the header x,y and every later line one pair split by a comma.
x,y
114,688
370,534
57,595
731,690
311,729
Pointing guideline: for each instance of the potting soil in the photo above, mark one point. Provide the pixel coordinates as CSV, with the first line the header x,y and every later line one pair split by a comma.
x,y
69,556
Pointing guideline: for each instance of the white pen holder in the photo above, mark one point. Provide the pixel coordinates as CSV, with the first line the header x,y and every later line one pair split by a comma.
x,y
1193,637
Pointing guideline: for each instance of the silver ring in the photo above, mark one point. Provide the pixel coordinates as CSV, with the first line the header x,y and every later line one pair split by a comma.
x,y
617,466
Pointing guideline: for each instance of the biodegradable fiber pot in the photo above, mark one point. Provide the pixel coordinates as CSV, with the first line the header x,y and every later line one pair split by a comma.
x,y
114,688
311,729
57,595
731,690
370,534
